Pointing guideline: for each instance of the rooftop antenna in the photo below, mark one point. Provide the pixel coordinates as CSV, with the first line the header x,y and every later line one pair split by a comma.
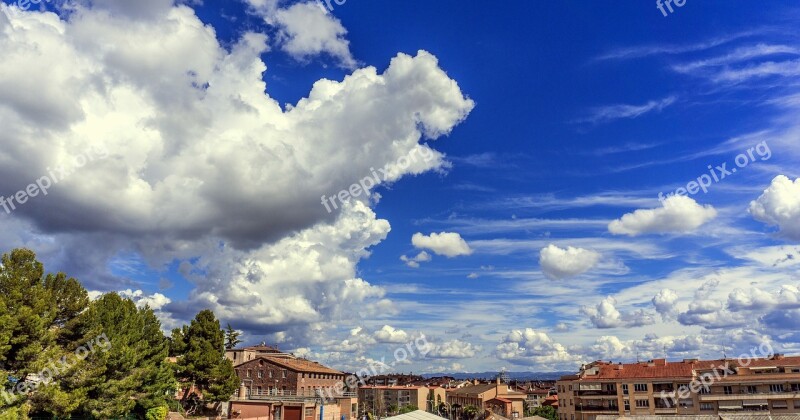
x,y
665,352
724,353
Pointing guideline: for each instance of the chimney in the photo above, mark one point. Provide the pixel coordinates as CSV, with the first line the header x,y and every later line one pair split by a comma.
x,y
242,391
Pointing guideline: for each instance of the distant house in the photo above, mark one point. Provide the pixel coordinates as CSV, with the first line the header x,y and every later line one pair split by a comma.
x,y
494,397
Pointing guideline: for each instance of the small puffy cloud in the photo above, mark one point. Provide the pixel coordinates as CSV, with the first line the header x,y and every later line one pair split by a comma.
x,y
779,206
530,347
679,214
413,262
389,334
453,349
305,30
664,303
448,244
473,276
606,315
561,327
155,301
558,263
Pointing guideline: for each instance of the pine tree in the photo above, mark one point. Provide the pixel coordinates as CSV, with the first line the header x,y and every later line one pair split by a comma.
x,y
203,362
231,338
133,368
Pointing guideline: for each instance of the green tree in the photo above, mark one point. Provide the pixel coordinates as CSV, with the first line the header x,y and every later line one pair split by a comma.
x,y
128,370
37,314
545,411
470,411
407,409
203,362
231,338
177,341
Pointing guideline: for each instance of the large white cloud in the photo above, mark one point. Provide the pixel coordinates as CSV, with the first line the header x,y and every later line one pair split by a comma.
x,y
779,206
679,214
448,244
202,165
558,263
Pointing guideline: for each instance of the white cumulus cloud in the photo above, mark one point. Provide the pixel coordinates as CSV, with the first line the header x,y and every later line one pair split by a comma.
x,y
679,214
448,244
779,206
558,263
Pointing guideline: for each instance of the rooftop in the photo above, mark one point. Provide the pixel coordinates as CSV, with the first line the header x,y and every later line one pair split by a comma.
x,y
661,368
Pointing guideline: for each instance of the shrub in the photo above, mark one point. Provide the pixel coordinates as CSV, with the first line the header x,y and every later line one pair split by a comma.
x,y
157,413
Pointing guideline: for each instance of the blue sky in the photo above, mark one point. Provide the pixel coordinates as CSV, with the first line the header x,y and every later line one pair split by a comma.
x,y
525,231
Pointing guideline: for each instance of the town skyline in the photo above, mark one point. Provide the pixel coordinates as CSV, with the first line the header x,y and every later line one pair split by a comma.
x,y
529,187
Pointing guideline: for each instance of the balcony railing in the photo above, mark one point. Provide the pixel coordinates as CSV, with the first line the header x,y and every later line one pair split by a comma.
x,y
750,396
590,393
585,408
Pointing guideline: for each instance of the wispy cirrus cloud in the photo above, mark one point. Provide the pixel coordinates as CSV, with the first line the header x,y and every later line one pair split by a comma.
x,y
650,50
609,113
738,55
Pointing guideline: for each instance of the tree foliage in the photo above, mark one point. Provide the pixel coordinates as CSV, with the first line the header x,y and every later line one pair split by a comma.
x,y
231,338
545,411
61,355
203,361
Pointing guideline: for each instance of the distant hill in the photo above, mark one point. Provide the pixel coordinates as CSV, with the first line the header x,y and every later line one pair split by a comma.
x,y
520,376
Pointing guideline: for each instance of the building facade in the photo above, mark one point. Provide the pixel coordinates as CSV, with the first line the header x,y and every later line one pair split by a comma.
x,y
383,400
690,387
494,397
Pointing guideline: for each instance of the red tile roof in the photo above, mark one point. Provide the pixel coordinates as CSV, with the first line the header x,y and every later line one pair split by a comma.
x,y
660,368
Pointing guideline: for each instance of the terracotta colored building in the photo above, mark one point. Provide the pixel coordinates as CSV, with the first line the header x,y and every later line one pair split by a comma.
x,y
495,397
690,387
280,386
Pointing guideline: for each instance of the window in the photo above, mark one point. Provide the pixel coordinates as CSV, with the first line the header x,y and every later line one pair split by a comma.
x,y
640,388
283,374
642,403
627,405
625,389
728,390
611,387
776,388
782,405
248,373
260,374
706,406
752,389
270,373
258,390
704,390
796,403
795,387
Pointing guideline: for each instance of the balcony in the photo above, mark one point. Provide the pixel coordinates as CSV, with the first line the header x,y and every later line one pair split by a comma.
x,y
596,408
596,393
750,396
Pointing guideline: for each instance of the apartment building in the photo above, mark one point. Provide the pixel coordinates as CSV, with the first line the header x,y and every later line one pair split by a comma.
x,y
382,400
496,397
689,387
280,386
